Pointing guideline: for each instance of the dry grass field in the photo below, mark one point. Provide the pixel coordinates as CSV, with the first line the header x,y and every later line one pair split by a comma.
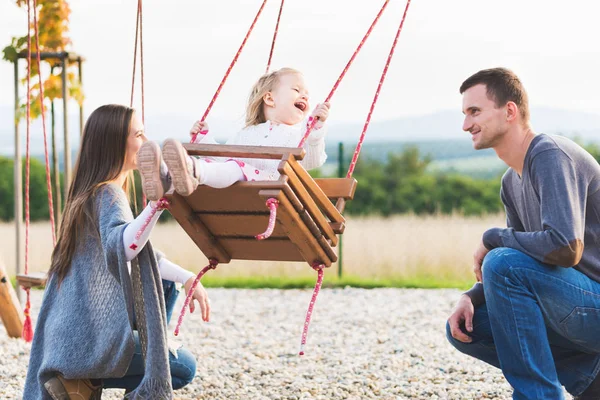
x,y
399,248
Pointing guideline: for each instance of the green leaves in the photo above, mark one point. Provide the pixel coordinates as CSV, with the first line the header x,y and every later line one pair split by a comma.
x,y
53,29
403,185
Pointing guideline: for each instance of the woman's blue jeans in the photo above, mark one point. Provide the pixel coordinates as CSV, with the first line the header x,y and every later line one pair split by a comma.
x,y
183,366
540,324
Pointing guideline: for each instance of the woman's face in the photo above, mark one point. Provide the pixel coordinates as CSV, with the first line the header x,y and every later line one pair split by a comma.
x,y
134,141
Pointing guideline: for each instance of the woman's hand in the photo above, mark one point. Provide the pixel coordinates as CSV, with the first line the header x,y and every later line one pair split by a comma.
x,y
200,296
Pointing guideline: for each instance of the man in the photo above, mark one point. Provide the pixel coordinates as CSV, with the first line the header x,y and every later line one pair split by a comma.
x,y
535,310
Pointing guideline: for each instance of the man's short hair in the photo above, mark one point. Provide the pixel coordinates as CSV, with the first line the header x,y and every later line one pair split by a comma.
x,y
502,86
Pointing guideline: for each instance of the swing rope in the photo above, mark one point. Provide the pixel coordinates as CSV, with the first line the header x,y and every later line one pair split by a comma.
x,y
319,268
27,326
337,83
376,97
233,62
138,34
274,38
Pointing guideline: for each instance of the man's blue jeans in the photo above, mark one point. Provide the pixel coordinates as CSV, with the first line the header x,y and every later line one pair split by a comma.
x,y
183,367
540,324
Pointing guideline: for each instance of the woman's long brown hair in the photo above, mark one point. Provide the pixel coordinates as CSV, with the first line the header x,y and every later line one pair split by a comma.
x,y
101,159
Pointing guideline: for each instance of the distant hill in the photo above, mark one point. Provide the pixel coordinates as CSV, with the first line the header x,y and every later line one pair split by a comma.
x,y
438,134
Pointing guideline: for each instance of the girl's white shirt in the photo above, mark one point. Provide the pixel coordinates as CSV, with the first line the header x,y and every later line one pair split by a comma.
x,y
278,135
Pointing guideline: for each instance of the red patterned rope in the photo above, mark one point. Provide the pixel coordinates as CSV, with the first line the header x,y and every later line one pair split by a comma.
x,y
362,42
27,332
231,66
381,80
274,38
272,204
144,200
142,61
135,46
48,179
28,140
160,205
212,264
319,268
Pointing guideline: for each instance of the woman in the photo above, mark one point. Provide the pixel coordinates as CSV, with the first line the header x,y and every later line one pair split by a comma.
x,y
103,319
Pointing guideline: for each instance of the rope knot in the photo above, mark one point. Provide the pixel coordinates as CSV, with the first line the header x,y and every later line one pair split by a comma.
x,y
162,204
317,266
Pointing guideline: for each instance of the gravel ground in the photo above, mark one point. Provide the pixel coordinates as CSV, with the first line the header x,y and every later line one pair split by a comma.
x,y
362,344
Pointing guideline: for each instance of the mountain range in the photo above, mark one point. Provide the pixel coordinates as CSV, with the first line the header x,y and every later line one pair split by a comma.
x,y
441,125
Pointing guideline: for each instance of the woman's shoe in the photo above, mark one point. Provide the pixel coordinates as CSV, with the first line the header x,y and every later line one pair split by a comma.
x,y
60,388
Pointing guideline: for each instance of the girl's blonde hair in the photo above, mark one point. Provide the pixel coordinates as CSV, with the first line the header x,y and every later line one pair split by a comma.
x,y
255,113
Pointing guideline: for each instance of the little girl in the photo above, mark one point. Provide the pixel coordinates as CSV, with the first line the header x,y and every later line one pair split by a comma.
x,y
278,102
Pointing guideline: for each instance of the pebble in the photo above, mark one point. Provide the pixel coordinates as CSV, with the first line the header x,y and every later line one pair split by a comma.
x,y
362,344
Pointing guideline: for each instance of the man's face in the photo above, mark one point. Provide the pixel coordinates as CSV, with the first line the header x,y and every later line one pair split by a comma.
x,y
486,123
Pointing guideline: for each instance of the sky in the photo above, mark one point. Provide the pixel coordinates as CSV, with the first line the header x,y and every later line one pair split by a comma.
x,y
188,45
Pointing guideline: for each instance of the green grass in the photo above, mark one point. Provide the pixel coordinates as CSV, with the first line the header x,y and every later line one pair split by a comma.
x,y
330,281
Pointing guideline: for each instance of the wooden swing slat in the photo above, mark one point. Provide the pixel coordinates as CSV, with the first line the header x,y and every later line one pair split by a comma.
x,y
239,197
316,193
310,223
307,201
33,279
336,188
265,250
296,229
239,225
338,227
191,223
312,227
235,151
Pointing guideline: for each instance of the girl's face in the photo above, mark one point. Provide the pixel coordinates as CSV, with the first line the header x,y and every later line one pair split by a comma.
x,y
134,141
287,103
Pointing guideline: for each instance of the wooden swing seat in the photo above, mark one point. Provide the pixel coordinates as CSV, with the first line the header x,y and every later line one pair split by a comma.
x,y
224,222
33,279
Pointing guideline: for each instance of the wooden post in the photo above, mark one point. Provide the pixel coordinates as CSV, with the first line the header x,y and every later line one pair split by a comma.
x,y
67,148
340,175
55,170
80,67
10,308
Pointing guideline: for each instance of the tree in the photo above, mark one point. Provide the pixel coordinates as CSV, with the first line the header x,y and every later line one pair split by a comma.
x,y
38,194
403,185
53,24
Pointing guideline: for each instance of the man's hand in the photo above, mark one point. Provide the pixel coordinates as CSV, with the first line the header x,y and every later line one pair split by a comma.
x,y
200,296
478,257
462,313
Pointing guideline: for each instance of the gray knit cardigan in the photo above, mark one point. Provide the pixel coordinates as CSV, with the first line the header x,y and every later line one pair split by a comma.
x,y
85,327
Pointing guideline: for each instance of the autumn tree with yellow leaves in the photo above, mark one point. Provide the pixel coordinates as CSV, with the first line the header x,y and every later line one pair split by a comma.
x,y
53,32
